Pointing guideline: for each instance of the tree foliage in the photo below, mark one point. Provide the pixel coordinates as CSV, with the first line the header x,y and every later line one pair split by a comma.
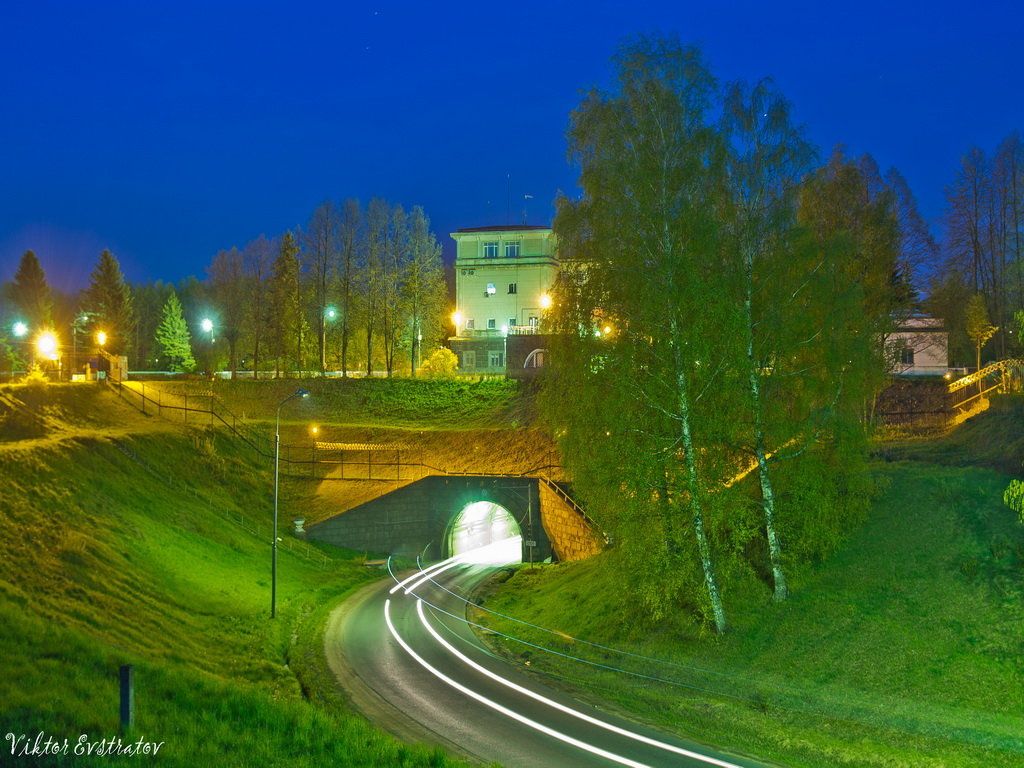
x,y
108,303
173,338
719,308
979,329
31,293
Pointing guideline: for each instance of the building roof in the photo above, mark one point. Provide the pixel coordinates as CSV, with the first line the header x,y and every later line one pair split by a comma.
x,y
504,228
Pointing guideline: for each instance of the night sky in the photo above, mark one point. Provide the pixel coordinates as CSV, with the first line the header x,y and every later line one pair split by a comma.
x,y
167,131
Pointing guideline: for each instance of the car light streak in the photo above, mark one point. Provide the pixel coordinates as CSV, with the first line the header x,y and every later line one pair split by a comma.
x,y
561,707
474,556
498,707
423,574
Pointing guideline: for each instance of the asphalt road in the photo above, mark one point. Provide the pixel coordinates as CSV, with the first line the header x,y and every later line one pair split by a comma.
x,y
421,674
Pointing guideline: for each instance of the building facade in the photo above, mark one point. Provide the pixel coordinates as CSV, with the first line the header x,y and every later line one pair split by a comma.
x,y
919,347
503,276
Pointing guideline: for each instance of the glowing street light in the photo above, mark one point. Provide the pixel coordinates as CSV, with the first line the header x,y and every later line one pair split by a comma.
x,y
301,393
331,313
101,338
46,345
206,324
545,301
20,329
457,320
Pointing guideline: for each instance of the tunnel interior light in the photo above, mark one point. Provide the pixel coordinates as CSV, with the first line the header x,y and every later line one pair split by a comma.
x,y
486,533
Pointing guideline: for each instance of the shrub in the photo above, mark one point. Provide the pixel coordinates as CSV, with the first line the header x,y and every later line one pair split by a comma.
x,y
441,362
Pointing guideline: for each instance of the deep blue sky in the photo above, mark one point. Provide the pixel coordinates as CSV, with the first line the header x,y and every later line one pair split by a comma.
x,y
166,131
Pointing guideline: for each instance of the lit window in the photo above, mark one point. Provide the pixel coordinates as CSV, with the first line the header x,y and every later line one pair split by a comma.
x,y
492,324
907,356
512,288
490,250
533,322
491,290
496,359
512,250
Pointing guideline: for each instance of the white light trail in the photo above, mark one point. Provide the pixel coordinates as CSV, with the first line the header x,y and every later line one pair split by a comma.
x,y
563,708
502,709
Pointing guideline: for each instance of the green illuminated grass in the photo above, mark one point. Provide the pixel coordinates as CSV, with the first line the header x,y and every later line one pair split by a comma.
x,y
115,555
400,402
906,648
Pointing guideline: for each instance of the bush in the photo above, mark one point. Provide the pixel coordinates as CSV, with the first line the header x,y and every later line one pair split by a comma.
x,y
441,362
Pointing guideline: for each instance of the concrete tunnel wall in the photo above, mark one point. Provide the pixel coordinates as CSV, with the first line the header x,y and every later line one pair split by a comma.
x,y
414,519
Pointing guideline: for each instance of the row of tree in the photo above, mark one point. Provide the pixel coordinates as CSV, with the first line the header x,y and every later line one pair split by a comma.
x,y
723,309
982,254
354,288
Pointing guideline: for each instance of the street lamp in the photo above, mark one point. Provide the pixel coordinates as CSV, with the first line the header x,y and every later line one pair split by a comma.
x,y
101,338
277,465
46,345
20,329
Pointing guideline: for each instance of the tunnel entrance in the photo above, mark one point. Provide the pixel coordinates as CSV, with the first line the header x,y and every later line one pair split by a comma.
x,y
488,531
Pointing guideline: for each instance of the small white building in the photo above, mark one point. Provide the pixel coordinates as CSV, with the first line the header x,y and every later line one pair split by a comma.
x,y
502,278
919,347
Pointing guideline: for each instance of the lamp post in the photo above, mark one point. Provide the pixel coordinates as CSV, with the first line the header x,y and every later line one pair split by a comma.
x,y
277,466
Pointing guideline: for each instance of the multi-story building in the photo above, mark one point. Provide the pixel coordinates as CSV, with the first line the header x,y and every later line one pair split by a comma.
x,y
502,278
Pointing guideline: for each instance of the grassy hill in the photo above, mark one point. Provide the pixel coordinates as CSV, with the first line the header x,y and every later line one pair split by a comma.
x,y
905,648
127,539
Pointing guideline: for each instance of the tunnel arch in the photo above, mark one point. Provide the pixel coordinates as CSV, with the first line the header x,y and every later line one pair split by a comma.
x,y
484,524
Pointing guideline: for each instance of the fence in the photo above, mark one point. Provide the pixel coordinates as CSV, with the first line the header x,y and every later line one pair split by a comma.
x,y
207,410
960,399
388,462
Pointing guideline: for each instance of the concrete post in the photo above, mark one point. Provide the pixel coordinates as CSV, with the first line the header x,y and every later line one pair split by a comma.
x,y
127,697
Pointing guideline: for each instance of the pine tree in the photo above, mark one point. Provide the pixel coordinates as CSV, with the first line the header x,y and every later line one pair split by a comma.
x,y
31,293
109,302
173,337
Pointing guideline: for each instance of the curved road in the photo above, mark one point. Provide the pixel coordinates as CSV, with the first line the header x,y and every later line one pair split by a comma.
x,y
412,665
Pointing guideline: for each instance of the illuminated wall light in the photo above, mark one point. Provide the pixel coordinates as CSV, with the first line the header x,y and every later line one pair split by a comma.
x,y
545,301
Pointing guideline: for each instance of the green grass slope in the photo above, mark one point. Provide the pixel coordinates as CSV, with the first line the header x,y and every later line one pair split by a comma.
x,y
117,548
905,648
407,403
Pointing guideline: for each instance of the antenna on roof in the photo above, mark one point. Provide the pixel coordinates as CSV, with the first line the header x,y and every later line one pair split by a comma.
x,y
508,198
525,197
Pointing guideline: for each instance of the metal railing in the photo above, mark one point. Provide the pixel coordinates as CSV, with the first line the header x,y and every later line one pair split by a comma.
x,y
997,377
208,410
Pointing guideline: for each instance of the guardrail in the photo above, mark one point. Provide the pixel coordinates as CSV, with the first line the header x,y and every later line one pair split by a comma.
x,y
1008,372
